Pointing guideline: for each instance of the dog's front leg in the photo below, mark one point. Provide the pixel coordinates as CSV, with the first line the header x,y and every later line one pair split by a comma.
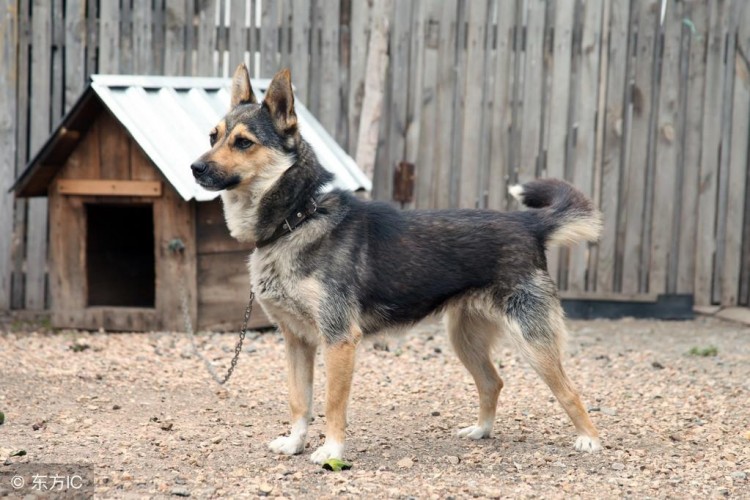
x,y
339,360
300,357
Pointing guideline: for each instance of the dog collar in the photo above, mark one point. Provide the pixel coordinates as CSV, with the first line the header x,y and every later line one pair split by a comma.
x,y
291,223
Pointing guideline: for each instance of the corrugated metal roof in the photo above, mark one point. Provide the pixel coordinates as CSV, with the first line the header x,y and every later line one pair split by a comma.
x,y
170,118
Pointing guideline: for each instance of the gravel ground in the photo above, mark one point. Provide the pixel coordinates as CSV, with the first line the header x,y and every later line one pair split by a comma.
x,y
143,412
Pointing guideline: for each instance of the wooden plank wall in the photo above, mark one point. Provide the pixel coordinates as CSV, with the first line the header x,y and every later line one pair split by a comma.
x,y
647,112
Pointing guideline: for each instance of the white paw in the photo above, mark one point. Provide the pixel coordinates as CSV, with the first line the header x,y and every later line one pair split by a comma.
x,y
330,449
287,445
590,444
475,432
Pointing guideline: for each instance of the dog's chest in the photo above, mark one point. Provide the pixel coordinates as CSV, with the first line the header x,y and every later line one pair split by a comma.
x,y
285,294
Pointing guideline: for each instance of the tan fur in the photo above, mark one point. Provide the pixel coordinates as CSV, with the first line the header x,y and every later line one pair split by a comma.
x,y
546,361
300,356
473,337
339,360
572,233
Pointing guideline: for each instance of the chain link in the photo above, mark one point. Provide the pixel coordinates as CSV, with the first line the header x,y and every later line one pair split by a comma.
x,y
237,348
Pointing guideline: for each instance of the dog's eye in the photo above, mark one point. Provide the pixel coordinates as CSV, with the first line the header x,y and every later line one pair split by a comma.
x,y
212,137
242,143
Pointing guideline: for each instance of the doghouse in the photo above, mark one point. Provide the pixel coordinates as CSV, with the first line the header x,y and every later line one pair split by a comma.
x,y
130,233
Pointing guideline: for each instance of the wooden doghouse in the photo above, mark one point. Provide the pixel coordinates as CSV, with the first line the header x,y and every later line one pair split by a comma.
x,y
131,234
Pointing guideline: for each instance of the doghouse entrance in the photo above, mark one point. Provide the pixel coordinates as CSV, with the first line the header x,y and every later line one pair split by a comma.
x,y
120,261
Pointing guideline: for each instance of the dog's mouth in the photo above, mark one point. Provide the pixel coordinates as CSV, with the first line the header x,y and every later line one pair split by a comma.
x,y
214,181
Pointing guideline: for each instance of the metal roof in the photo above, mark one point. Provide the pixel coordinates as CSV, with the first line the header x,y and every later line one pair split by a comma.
x,y
170,117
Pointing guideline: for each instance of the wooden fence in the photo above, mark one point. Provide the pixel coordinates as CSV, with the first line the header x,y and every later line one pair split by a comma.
x,y
647,111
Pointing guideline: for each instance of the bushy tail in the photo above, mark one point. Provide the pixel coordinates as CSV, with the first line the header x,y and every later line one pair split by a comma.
x,y
567,217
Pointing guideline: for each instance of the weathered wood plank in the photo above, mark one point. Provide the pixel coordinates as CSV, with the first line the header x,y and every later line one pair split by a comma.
x,y
300,57
88,187
269,46
142,37
18,249
126,39
415,103
446,85
114,153
206,42
8,102
694,46
36,231
561,96
75,50
372,103
668,133
500,164
711,141
330,100
639,159
58,41
176,48
425,168
532,91
220,306
237,34
735,148
585,113
472,95
109,36
361,13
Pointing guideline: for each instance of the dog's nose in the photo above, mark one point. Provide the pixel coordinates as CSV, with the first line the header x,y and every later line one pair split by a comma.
x,y
199,168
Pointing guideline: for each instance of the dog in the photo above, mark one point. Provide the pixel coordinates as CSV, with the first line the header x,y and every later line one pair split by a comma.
x,y
330,269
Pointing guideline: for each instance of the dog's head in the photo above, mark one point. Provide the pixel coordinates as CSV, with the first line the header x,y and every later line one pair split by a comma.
x,y
254,140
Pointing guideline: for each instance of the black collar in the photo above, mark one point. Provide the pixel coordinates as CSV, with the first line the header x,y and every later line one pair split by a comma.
x,y
300,215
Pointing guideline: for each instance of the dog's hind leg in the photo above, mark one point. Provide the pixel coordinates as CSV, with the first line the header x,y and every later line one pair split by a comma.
x,y
472,337
339,360
300,356
534,321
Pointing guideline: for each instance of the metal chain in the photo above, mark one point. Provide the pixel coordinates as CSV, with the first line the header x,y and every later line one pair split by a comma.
x,y
237,347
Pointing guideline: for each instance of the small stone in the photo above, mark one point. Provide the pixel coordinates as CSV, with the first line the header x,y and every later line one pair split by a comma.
x,y
405,463
217,440
739,475
180,492
435,413
609,411
454,460
656,365
618,466
166,426
116,407
264,489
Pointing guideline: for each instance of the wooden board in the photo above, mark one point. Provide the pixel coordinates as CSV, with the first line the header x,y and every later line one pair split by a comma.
x,y
668,134
694,67
89,187
223,291
40,106
8,101
175,41
705,246
607,274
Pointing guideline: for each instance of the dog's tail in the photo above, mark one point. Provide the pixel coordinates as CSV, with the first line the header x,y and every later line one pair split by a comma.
x,y
566,216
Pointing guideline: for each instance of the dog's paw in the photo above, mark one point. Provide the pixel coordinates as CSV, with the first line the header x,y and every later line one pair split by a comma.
x,y
474,432
586,443
287,445
330,449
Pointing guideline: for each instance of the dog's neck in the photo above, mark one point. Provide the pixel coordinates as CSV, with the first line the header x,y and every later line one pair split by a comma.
x,y
254,212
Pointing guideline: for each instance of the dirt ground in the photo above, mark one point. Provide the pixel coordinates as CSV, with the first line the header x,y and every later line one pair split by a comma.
x,y
142,410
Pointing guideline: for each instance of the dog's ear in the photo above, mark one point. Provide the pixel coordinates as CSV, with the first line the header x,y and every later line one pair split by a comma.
x,y
279,101
242,92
